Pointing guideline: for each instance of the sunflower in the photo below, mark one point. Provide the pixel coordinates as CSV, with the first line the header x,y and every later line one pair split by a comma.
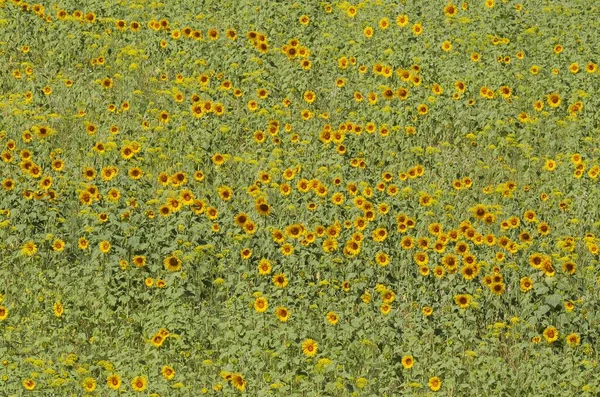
x,y
569,267
139,383
423,243
417,29
107,83
135,173
58,309
282,313
526,284
469,272
261,305
384,23
379,235
332,318
263,208
3,313
550,165
425,200
439,271
104,246
245,253
529,216
89,173
543,228
238,382
58,165
177,179
573,339
407,242
197,110
29,248
164,210
421,258
309,347
58,245
408,362
287,249
550,334
167,372
435,383
574,68
29,384
163,332
463,300
351,11
82,243
402,20
497,288
89,384
558,48
388,296
382,259
172,263
385,309
241,218
569,306
554,100
90,17
113,382
139,261
187,197
218,159
280,280
295,230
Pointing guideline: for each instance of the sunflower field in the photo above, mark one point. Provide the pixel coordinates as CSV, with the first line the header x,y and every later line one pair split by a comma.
x,y
277,198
